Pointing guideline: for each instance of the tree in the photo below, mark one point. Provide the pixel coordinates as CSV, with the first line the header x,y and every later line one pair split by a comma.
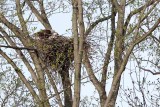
x,y
106,36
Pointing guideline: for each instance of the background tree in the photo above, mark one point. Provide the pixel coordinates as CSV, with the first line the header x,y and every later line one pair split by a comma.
x,y
108,38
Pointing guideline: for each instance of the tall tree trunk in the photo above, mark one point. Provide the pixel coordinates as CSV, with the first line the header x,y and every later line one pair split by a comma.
x,y
78,34
67,88
102,97
118,50
112,101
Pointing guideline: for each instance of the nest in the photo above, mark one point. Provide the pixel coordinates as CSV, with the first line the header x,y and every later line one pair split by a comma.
x,y
56,52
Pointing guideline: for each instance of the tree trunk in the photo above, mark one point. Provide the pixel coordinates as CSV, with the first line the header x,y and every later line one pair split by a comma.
x,y
67,88
112,102
102,97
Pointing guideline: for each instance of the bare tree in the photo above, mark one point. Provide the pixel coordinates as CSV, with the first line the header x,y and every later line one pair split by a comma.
x,y
106,36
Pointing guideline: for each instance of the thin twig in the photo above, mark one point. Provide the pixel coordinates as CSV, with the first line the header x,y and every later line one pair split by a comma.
x,y
18,48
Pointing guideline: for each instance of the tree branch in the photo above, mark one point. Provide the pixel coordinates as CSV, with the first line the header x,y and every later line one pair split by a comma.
x,y
91,27
18,71
90,72
110,47
17,31
154,73
11,26
18,48
42,19
30,69
20,17
132,13
129,51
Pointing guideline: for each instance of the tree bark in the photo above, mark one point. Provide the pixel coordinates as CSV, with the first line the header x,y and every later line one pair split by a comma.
x,y
66,86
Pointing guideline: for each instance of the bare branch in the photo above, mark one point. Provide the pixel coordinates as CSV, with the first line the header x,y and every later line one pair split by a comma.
x,y
132,13
129,51
11,26
22,56
90,72
42,19
20,17
91,27
110,47
18,48
43,13
154,73
18,71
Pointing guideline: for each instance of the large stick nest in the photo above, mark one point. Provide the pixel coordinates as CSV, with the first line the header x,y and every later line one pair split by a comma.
x,y
55,50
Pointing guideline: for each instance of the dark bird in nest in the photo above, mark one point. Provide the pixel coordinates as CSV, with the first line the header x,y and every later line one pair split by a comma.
x,y
55,50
